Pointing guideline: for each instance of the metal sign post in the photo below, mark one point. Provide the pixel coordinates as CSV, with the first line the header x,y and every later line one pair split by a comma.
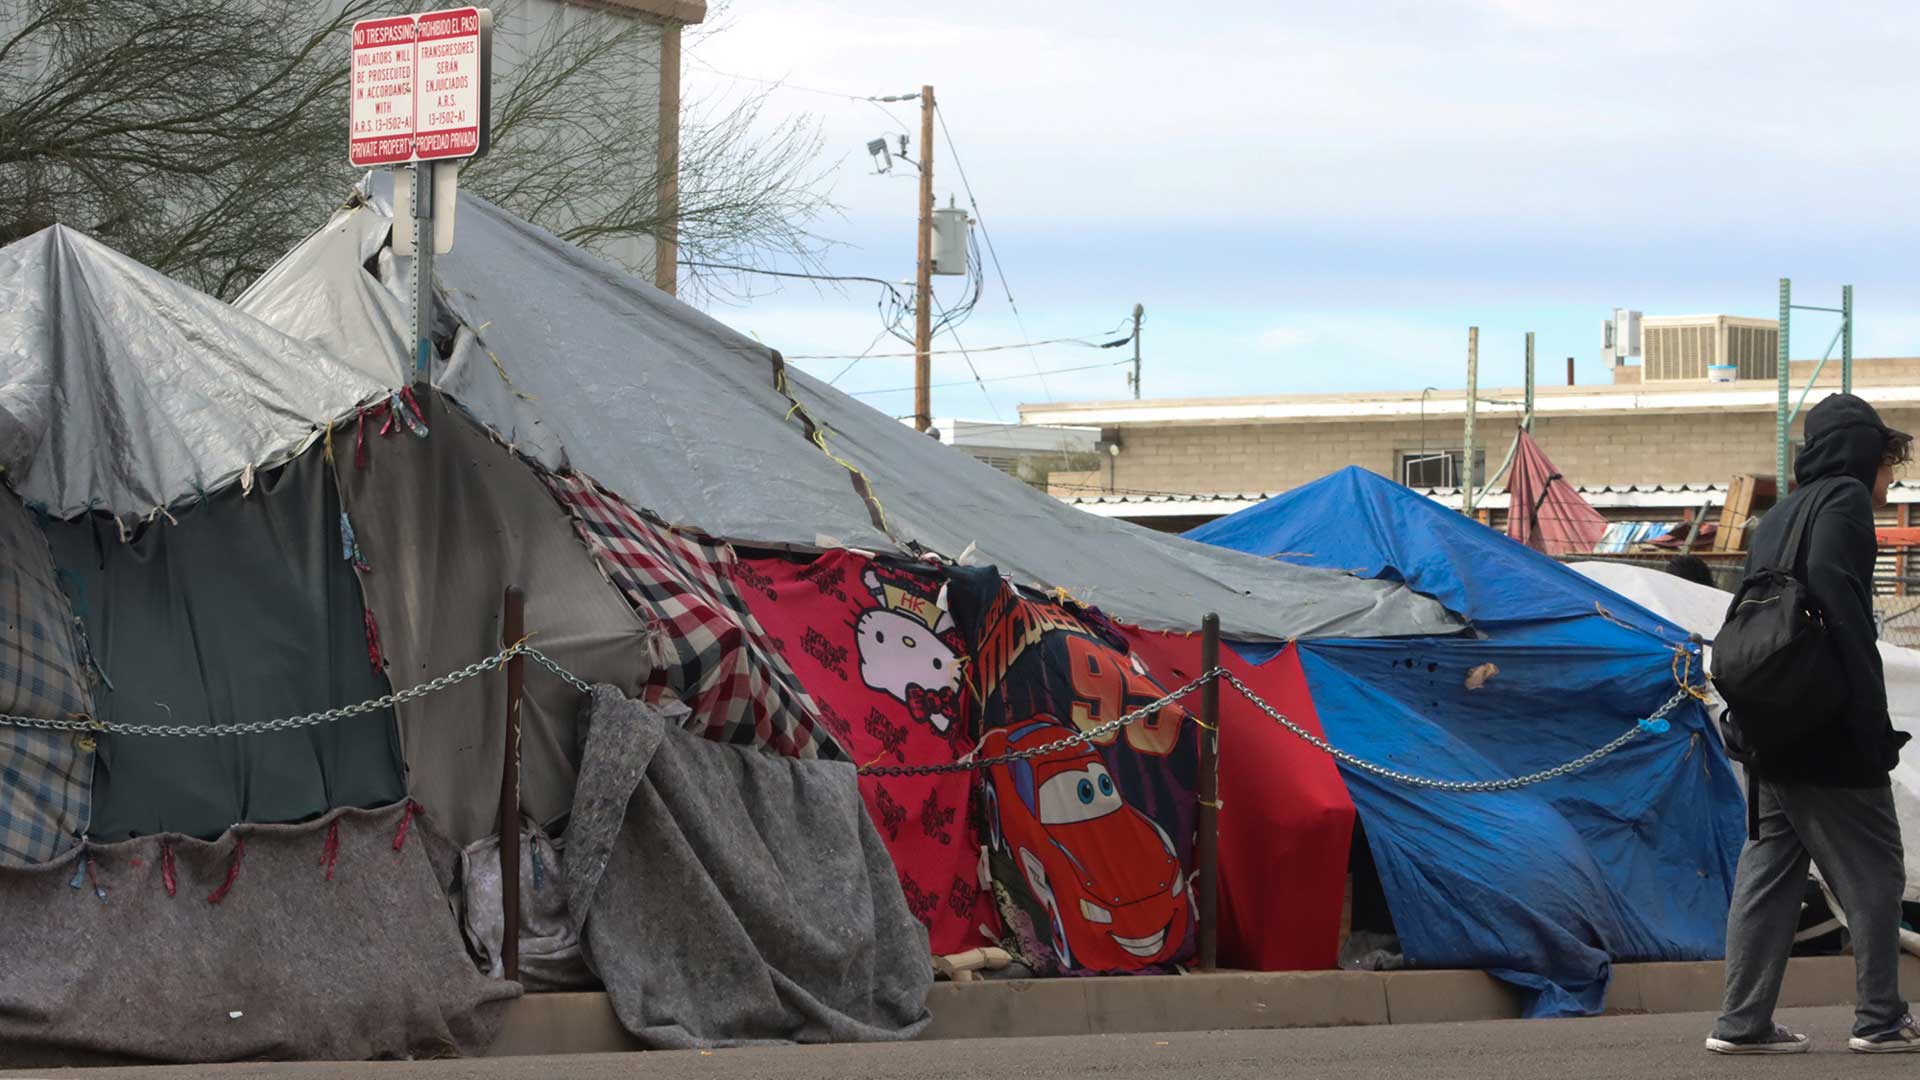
x,y
422,211
422,93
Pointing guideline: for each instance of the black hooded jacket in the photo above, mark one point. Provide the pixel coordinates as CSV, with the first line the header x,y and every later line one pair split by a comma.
x,y
1844,438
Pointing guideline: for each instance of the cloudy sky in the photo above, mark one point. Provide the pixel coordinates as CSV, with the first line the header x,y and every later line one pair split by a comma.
x,y
1318,196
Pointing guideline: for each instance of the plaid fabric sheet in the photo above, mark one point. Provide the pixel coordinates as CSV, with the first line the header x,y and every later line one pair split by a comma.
x,y
707,650
46,777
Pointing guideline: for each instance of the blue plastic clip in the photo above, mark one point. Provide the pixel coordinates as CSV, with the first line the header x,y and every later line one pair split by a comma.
x,y
1655,726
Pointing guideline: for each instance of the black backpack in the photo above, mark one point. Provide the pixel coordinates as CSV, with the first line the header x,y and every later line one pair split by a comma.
x,y
1773,661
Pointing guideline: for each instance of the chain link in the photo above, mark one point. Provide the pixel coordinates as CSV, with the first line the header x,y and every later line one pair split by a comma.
x,y
972,764
1509,784
89,725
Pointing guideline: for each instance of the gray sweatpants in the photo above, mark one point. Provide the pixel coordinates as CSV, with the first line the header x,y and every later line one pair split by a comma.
x,y
1853,836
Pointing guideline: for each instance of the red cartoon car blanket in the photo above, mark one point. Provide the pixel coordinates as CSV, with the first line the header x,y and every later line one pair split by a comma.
x,y
883,665
1091,842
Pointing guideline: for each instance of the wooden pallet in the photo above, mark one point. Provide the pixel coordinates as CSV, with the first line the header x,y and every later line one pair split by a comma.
x,y
1748,496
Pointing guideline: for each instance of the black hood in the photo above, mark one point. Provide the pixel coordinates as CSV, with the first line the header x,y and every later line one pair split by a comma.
x,y
1844,438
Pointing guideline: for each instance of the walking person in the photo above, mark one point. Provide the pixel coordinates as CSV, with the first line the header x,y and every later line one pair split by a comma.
x,y
1825,796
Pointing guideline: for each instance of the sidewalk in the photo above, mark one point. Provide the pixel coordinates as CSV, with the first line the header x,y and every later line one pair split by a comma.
x,y
585,1023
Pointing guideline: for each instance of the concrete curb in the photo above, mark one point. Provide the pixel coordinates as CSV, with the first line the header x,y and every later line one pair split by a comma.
x,y
585,1023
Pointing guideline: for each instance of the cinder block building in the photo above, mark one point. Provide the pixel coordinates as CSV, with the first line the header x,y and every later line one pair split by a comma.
x,y
1640,450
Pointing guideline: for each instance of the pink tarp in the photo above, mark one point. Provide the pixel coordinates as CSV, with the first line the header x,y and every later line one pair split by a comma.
x,y
1544,512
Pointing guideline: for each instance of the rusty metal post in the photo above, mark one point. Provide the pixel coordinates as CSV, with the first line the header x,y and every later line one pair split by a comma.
x,y
512,629
1206,892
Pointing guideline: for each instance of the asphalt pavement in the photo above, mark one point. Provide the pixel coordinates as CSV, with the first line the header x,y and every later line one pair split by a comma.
x,y
1625,1046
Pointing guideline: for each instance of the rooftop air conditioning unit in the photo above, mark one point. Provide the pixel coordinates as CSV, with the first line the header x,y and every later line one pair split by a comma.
x,y
1699,348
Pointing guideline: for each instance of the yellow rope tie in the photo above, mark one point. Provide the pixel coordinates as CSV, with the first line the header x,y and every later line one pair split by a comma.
x,y
327,450
1685,678
1600,610
505,378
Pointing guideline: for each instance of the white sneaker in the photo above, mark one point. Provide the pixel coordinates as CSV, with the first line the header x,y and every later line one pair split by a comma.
x,y
1904,1039
1781,1041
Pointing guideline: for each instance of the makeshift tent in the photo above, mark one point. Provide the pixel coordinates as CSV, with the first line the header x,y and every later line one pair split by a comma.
x,y
579,366
293,529
1544,512
1630,858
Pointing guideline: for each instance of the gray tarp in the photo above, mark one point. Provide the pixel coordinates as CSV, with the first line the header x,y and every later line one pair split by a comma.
x,y
123,390
445,524
288,965
679,414
728,896
243,611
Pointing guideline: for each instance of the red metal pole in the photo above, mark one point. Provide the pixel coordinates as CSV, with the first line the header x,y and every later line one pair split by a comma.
x,y
512,629
1207,891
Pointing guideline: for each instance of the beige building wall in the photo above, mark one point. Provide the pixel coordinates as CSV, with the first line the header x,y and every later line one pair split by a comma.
x,y
1269,457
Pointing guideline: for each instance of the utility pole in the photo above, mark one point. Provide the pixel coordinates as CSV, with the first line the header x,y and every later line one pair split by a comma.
x,y
1135,380
1526,421
1473,392
923,274
1846,339
1782,418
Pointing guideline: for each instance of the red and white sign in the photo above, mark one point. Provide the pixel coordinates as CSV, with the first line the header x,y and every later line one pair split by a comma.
x,y
448,84
381,118
420,87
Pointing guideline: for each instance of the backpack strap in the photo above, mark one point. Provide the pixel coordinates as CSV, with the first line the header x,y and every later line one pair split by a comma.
x,y
1789,556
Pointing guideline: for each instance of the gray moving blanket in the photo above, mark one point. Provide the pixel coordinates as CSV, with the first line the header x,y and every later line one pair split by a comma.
x,y
730,897
100,965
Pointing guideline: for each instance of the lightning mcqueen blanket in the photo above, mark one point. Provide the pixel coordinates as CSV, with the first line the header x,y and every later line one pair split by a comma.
x,y
1091,843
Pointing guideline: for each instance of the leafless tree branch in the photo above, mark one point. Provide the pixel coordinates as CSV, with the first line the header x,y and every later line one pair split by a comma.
x,y
180,133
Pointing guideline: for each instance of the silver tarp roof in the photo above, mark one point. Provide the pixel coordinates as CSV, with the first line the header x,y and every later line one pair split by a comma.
x,y
123,390
580,364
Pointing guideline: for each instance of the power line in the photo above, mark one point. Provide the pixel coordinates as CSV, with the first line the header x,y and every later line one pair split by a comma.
x,y
897,123
785,85
1000,271
882,282
1083,342
998,378
954,332
857,359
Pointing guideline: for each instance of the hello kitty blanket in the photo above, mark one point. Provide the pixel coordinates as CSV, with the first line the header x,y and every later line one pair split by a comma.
x,y
884,665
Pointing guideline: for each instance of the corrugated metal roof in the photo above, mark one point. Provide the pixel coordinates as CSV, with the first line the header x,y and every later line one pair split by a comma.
x,y
1604,496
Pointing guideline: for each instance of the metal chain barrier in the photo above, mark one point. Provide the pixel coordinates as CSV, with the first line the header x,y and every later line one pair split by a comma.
x,y
292,723
971,764
1655,723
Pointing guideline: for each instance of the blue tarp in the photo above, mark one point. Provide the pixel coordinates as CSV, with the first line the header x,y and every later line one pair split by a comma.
x,y
1363,523
1630,859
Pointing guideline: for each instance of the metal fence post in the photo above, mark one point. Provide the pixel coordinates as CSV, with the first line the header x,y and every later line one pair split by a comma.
x,y
1207,891
513,628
